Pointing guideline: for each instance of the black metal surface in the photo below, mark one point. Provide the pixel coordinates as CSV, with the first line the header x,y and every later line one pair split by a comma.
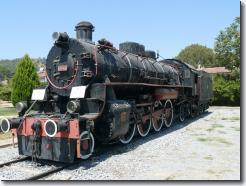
x,y
132,47
84,31
55,149
114,121
104,62
150,54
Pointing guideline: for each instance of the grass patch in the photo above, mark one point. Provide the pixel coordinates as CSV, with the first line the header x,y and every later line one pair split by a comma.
x,y
215,139
237,128
203,139
231,118
210,129
8,111
208,157
221,132
217,126
222,140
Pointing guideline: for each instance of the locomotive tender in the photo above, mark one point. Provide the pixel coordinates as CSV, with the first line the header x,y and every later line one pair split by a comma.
x,y
98,93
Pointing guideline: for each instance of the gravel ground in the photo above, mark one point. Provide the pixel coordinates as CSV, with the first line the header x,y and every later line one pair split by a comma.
x,y
8,153
23,170
205,148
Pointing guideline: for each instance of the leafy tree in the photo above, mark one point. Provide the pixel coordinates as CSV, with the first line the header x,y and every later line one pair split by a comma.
x,y
197,54
227,46
227,51
226,91
24,81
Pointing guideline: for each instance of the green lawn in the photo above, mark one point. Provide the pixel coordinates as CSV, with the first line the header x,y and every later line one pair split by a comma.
x,y
7,111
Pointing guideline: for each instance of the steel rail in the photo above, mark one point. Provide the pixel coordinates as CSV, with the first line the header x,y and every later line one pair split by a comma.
x,y
14,161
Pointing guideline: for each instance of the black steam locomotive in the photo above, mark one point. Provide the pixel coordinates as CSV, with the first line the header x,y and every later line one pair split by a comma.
x,y
98,93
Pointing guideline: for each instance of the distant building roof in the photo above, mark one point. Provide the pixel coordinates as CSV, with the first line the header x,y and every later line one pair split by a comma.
x,y
216,70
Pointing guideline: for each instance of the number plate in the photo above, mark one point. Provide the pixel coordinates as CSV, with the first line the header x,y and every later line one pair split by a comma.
x,y
62,68
78,92
38,94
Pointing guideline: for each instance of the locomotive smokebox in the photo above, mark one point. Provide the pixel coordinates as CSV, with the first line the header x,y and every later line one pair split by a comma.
x,y
84,31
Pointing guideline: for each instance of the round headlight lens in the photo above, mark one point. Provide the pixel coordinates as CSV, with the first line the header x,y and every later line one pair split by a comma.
x,y
50,128
55,36
73,106
4,125
21,106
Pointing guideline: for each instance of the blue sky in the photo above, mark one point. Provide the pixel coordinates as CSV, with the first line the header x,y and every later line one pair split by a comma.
x,y
164,25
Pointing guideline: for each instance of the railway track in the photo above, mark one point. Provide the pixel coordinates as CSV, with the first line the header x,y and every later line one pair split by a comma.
x,y
58,166
7,145
41,175
14,161
49,172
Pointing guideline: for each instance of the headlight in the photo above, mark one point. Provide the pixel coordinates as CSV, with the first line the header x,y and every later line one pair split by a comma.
x,y
60,36
21,106
73,106
50,128
55,36
5,125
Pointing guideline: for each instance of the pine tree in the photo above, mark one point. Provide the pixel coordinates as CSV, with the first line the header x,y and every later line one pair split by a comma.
x,y
24,81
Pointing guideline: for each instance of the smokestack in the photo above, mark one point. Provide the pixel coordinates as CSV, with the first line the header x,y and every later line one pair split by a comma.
x,y
84,31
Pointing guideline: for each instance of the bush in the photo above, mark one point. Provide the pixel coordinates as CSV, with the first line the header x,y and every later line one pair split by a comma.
x,y
5,93
226,91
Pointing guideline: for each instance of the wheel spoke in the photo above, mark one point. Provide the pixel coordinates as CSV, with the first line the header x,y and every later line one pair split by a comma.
x,y
168,107
181,113
144,126
158,119
129,135
86,144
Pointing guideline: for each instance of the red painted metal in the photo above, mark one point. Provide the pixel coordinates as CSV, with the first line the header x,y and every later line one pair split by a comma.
x,y
26,129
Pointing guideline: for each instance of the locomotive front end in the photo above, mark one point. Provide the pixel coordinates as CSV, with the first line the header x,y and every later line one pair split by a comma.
x,y
53,137
49,138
